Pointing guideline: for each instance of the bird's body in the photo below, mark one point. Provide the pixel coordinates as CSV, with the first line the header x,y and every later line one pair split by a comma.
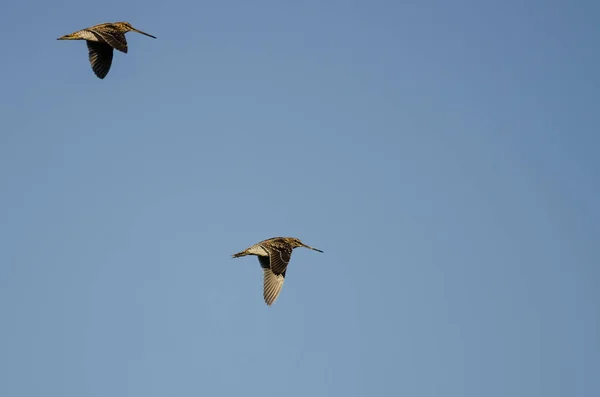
x,y
101,40
274,254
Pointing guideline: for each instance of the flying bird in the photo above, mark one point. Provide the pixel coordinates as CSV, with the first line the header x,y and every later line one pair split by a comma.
x,y
274,255
101,39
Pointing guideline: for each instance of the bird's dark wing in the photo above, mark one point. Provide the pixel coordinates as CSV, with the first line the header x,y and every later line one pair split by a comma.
x,y
279,258
111,36
101,56
272,283
264,262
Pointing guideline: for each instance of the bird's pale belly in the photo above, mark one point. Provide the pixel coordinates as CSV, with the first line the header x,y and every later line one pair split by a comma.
x,y
89,36
258,250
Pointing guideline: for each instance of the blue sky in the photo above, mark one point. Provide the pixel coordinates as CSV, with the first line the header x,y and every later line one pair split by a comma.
x,y
443,155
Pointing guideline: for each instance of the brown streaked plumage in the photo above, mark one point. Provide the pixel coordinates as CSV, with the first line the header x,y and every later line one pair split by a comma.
x,y
274,254
101,39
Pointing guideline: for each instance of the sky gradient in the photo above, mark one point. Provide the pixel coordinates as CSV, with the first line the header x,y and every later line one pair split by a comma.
x,y
443,155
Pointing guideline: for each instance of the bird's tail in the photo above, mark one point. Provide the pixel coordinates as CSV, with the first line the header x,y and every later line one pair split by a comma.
x,y
243,253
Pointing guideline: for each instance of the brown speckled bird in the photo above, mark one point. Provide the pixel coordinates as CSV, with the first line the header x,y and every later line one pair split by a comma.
x,y
101,39
274,255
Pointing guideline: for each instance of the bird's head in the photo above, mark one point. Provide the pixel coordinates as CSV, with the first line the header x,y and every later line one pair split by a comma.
x,y
126,27
297,243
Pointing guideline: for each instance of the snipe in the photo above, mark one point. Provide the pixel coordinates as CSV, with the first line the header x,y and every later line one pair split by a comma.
x,y
101,39
274,255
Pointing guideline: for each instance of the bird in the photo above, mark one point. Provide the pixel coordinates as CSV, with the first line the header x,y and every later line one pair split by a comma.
x,y
274,254
101,39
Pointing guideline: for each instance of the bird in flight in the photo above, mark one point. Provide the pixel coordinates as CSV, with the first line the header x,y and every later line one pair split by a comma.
x,y
101,39
274,254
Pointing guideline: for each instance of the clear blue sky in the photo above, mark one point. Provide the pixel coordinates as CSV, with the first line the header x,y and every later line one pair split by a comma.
x,y
443,155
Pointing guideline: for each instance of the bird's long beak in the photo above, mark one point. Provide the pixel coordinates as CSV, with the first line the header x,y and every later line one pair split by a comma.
x,y
311,248
144,33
